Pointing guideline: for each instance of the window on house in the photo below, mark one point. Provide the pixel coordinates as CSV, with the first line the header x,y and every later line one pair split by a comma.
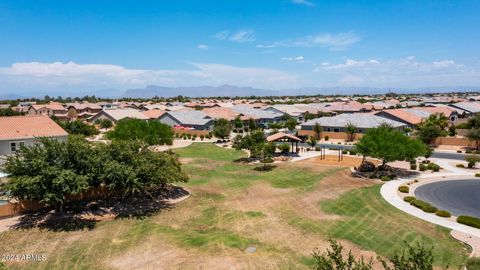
x,y
13,147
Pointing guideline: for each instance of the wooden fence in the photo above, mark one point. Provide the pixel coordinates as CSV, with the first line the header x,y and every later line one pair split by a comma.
x,y
24,206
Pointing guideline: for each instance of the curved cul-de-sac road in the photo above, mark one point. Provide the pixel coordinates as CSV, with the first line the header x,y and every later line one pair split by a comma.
x,y
459,197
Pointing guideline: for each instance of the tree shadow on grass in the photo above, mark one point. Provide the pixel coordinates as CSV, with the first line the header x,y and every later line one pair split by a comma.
x,y
53,221
265,168
244,160
84,215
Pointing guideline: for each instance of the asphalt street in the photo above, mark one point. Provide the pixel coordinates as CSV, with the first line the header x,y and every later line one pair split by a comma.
x,y
459,197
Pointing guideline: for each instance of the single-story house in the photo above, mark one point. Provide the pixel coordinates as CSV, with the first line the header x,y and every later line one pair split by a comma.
x,y
338,123
414,116
223,112
16,131
197,120
470,108
116,115
262,117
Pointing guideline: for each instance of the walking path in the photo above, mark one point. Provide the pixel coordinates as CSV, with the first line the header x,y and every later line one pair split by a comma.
x,y
464,233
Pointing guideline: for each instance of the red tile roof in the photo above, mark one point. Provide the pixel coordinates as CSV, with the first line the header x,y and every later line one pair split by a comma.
x,y
22,127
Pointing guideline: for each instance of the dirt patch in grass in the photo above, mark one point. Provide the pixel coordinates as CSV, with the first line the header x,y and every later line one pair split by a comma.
x,y
348,161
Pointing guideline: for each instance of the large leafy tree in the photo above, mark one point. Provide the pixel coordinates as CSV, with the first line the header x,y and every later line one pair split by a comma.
x,y
252,125
253,142
9,112
238,123
149,132
222,128
78,127
433,127
50,171
388,144
474,122
428,134
53,170
291,123
474,135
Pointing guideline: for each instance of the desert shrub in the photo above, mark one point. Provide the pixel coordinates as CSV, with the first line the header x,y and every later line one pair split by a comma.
x,y
202,137
326,138
339,143
460,166
443,213
413,166
344,151
409,198
468,151
284,148
386,178
318,148
366,166
432,166
353,152
422,167
470,221
403,189
459,151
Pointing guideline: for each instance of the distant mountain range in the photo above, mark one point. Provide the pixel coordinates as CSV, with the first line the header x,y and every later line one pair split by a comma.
x,y
231,91
198,91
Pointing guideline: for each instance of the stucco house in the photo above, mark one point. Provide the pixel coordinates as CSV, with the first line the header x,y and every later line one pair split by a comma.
x,y
50,109
116,115
16,131
197,120
335,126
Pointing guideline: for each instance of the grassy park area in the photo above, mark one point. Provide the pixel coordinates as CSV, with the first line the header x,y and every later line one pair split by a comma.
x,y
283,214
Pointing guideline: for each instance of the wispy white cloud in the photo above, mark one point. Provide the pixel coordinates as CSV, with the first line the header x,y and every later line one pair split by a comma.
x,y
202,47
295,59
70,75
240,36
339,41
222,35
303,2
404,72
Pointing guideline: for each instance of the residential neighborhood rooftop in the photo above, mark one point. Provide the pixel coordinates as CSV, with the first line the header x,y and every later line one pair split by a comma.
x,y
22,127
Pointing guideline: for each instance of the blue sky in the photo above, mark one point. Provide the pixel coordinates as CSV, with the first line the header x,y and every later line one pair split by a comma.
x,y
87,45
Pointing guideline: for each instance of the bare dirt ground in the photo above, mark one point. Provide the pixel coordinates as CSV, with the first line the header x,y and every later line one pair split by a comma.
x,y
348,161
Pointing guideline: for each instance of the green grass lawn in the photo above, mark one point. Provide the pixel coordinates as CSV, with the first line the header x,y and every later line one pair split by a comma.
x,y
213,223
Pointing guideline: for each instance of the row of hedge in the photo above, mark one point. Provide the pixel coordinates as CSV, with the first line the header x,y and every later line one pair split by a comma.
x,y
470,221
186,136
426,207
